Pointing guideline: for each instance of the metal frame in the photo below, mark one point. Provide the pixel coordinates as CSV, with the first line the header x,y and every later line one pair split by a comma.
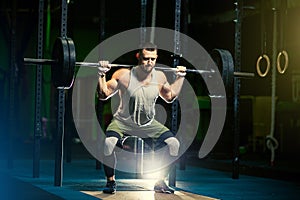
x,y
60,108
12,79
237,85
177,53
38,93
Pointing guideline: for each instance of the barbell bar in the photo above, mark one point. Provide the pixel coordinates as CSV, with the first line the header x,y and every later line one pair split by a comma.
x,y
91,64
243,74
82,64
235,74
63,64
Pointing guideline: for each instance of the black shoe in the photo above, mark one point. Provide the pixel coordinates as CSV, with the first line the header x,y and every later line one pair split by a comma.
x,y
110,187
161,187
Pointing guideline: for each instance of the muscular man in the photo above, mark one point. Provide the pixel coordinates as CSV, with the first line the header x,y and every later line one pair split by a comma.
x,y
138,89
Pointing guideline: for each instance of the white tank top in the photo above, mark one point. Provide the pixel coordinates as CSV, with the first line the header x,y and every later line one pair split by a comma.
x,y
137,104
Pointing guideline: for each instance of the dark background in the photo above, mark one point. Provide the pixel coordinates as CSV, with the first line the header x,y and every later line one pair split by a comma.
x,y
210,22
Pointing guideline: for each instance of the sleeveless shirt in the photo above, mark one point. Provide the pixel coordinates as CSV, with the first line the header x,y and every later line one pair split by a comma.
x,y
137,104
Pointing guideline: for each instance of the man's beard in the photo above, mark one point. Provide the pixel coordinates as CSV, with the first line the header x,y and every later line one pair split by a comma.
x,y
147,68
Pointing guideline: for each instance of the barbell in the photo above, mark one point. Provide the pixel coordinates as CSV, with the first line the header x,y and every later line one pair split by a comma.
x,y
92,64
63,64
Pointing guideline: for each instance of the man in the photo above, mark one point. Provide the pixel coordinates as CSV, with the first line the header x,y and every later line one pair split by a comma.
x,y
138,89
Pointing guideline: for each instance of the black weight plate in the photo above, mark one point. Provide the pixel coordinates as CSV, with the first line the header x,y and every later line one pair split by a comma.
x,y
72,61
60,70
224,61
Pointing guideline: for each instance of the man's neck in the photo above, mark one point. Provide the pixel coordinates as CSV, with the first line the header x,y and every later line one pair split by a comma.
x,y
142,75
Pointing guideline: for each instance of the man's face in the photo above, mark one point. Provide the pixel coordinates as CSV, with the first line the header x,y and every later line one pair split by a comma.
x,y
147,60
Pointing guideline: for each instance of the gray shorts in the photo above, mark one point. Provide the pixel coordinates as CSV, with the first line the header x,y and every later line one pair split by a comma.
x,y
153,130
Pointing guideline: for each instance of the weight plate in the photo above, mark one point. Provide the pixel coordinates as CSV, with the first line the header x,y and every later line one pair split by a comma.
x,y
72,61
224,61
64,55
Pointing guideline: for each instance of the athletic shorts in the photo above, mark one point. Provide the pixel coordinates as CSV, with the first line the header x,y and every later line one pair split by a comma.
x,y
153,130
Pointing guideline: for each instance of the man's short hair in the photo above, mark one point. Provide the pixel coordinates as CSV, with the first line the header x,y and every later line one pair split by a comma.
x,y
149,46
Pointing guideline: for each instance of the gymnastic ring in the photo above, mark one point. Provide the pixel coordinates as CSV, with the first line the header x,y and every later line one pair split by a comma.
x,y
258,65
286,57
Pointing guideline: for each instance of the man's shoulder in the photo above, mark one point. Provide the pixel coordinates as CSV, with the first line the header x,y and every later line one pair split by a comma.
x,y
160,75
122,72
122,75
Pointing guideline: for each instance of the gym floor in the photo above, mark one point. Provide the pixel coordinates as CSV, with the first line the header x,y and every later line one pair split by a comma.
x,y
201,179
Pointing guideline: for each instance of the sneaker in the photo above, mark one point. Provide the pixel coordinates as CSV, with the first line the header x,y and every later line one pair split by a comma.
x,y
110,187
161,187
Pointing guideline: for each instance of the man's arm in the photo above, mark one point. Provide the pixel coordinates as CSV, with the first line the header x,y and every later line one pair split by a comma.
x,y
107,88
119,80
170,91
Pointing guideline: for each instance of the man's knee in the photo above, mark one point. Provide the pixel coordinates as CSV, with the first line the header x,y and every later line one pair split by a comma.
x,y
109,145
173,145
